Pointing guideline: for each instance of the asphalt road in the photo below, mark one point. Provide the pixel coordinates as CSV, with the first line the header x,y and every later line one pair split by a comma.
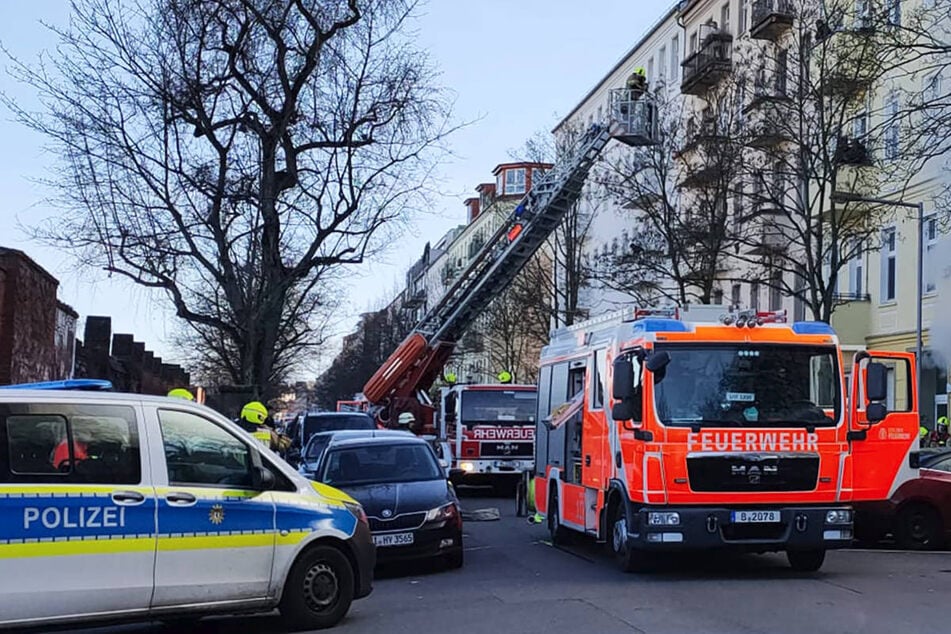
x,y
513,581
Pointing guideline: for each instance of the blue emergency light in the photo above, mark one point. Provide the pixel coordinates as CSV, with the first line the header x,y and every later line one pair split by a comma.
x,y
88,385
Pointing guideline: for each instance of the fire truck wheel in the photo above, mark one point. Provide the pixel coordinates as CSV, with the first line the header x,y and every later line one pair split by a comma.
x,y
559,534
918,527
628,559
806,560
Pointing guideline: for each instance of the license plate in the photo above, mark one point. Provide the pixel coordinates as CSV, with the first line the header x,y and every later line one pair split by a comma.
x,y
397,539
755,517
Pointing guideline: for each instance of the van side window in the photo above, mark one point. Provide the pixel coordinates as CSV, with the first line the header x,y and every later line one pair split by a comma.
x,y
200,453
597,383
69,444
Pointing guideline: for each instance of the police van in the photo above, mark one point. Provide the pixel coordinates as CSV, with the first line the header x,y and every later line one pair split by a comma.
x,y
123,506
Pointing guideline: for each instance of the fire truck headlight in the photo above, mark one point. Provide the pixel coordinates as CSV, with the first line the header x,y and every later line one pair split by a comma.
x,y
841,516
663,519
467,466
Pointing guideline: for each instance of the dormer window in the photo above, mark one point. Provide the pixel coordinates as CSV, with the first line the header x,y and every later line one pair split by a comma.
x,y
514,181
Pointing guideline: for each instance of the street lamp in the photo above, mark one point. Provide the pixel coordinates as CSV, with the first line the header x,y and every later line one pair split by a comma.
x,y
846,197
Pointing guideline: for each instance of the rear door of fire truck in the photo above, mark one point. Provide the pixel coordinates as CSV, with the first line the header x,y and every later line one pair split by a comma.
x,y
883,425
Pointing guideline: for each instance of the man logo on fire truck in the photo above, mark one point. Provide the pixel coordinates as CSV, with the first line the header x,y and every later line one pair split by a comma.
x,y
667,434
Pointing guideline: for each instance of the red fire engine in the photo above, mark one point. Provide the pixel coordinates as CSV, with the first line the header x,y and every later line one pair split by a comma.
x,y
657,434
491,432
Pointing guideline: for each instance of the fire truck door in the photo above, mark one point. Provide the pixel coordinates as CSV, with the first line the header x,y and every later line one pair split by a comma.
x,y
574,428
881,451
594,439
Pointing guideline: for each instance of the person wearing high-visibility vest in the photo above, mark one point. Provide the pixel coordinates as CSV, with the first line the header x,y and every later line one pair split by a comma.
x,y
253,417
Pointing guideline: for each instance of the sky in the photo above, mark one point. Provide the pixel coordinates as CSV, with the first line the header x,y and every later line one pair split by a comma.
x,y
516,68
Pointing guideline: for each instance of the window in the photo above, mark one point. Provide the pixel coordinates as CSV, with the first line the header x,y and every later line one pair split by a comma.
x,y
799,305
514,181
744,12
891,127
863,14
782,72
932,86
775,290
718,296
200,453
857,276
675,58
860,125
662,64
930,238
500,184
650,70
597,386
64,444
888,265
725,17
894,12
754,295
693,43
735,296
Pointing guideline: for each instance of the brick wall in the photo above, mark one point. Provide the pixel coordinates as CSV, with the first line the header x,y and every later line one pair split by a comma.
x,y
27,319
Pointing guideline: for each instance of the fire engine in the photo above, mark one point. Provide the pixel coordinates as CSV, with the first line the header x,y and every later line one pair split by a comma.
x,y
491,432
657,433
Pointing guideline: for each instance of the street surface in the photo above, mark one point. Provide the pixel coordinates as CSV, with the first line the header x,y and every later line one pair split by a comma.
x,y
514,582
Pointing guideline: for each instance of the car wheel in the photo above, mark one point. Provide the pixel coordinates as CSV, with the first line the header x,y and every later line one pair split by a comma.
x,y
918,527
628,559
319,589
455,560
557,532
806,560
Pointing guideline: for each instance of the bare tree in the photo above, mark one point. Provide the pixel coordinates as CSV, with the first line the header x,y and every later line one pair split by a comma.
x,y
679,242
814,132
230,153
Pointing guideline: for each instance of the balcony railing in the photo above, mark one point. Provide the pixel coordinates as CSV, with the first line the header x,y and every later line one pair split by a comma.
x,y
852,151
771,18
634,115
705,68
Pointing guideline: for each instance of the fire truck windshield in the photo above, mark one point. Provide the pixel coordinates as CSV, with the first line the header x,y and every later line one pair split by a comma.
x,y
749,386
498,407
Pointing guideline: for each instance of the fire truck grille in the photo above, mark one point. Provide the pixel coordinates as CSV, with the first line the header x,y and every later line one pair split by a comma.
x,y
753,472
400,522
503,449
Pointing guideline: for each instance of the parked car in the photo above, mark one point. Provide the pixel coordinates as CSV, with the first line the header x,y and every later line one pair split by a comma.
x,y
160,496
307,424
412,508
318,443
918,515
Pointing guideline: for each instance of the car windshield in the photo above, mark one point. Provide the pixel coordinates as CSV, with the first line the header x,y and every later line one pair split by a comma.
x,y
379,464
512,407
317,423
748,386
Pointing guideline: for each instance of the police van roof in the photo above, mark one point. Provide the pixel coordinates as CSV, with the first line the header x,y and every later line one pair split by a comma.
x,y
99,385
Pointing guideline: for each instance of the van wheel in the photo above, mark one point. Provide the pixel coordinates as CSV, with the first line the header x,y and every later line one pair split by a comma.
x,y
628,559
558,533
319,589
806,560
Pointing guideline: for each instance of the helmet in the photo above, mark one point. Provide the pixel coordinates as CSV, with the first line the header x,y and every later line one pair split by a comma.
x,y
943,424
449,378
922,431
640,71
254,412
505,376
406,418
181,392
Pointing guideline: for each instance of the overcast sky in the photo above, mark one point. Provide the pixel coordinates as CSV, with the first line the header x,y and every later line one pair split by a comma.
x,y
516,68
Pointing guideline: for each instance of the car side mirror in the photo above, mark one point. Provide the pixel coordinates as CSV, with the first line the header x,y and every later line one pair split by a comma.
x,y
622,411
658,361
876,382
264,479
622,387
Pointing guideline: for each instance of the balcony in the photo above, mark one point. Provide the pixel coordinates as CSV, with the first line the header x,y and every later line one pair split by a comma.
x,y
705,68
853,152
771,18
701,176
415,299
704,133
768,240
764,136
853,64
633,116
767,93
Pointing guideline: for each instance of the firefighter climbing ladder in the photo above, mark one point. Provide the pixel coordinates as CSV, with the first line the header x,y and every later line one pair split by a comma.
x,y
418,360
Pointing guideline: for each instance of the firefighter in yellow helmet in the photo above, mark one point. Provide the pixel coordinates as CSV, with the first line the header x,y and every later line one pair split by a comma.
x,y
182,393
505,376
253,419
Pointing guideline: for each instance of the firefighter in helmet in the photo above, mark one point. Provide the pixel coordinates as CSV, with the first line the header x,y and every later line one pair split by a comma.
x,y
182,393
505,377
923,436
254,416
940,436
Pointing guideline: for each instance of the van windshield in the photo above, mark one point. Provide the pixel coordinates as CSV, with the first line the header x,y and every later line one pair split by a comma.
x,y
498,407
749,386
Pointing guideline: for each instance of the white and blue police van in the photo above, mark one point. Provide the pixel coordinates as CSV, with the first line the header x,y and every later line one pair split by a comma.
x,y
125,507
